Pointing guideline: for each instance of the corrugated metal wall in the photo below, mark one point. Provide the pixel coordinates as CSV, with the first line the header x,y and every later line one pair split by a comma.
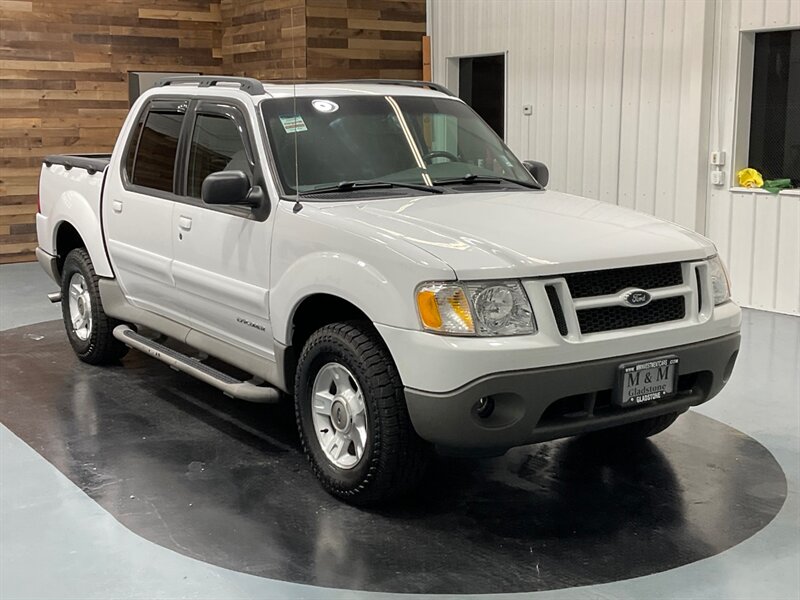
x,y
625,105
616,88
664,98
758,234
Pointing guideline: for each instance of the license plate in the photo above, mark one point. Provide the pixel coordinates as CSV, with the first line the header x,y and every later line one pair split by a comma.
x,y
646,381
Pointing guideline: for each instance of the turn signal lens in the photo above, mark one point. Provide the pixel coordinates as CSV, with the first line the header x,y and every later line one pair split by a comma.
x,y
444,307
429,310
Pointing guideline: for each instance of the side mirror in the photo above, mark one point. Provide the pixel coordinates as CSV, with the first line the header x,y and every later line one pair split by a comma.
x,y
227,187
539,171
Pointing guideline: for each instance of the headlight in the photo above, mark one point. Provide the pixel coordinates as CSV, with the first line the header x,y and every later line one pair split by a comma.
x,y
720,285
475,308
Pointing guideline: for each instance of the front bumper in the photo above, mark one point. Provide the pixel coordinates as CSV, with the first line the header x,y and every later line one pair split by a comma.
x,y
439,363
559,401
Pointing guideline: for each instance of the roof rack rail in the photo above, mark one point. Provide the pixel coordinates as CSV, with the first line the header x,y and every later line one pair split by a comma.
x,y
407,82
246,84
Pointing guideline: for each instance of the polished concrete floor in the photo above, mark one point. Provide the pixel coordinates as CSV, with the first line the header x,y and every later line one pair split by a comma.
x,y
138,482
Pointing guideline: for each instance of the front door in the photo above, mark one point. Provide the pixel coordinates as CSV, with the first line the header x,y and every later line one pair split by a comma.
x,y
222,252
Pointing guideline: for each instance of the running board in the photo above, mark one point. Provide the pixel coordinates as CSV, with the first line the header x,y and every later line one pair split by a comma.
x,y
180,362
54,297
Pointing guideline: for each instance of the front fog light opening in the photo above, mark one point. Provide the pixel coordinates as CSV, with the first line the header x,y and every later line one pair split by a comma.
x,y
484,407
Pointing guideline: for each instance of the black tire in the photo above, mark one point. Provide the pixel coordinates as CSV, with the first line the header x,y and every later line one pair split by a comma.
x,y
100,347
394,457
639,430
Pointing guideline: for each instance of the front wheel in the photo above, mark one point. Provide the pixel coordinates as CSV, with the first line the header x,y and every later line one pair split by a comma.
x,y
352,416
88,327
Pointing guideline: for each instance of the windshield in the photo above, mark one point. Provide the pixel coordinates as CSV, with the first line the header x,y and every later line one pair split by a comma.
x,y
400,139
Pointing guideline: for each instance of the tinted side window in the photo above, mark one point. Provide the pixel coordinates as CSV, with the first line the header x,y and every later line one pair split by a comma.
x,y
155,158
217,145
134,143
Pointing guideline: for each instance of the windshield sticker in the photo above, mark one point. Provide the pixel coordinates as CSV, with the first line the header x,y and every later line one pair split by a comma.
x,y
293,123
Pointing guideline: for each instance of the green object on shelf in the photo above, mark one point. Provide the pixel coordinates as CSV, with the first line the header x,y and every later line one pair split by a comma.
x,y
773,186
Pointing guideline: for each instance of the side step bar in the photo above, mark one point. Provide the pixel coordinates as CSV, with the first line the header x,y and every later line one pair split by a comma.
x,y
54,297
180,362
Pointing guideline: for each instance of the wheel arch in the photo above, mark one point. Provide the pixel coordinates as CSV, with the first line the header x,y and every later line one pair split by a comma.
x,y
309,314
67,238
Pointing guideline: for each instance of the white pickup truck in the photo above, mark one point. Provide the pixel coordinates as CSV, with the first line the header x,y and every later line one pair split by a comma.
x,y
374,250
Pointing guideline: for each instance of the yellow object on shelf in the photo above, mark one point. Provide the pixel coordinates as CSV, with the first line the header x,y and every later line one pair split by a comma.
x,y
750,178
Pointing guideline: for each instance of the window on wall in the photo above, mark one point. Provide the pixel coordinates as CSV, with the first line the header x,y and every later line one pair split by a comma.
x,y
775,109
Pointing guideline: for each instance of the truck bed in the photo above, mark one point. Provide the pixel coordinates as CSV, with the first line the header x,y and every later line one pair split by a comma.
x,y
70,192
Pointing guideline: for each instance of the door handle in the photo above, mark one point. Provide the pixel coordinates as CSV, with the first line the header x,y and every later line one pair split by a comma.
x,y
116,206
185,223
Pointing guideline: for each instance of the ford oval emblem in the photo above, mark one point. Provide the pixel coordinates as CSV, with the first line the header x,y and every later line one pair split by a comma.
x,y
636,298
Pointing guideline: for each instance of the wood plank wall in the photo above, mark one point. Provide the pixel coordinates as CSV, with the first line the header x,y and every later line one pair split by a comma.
x,y
63,83
365,38
264,39
64,65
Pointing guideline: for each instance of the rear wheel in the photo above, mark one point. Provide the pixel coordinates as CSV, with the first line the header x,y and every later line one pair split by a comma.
x,y
636,431
88,327
352,416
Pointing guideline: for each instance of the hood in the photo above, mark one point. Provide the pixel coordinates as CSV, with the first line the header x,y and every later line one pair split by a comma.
x,y
524,234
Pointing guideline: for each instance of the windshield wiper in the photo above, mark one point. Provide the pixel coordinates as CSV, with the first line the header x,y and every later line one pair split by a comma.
x,y
370,184
470,178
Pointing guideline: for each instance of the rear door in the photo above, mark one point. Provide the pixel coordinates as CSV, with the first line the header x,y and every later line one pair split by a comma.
x,y
138,204
221,252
